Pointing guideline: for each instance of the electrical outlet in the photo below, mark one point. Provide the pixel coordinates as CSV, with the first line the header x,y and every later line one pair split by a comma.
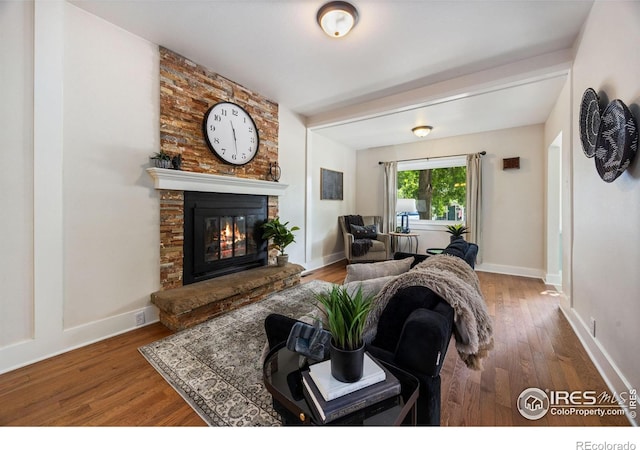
x,y
593,327
140,318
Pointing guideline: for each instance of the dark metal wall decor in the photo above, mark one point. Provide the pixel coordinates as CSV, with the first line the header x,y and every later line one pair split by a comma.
x,y
611,137
589,121
617,142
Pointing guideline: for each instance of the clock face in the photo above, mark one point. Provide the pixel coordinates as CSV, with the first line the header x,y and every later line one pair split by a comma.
x,y
231,133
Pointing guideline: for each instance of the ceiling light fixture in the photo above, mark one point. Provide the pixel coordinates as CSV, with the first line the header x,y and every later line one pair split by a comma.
x,y
337,18
422,130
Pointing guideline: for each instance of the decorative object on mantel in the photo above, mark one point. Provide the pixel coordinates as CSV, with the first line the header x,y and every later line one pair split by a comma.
x,y
274,171
589,121
280,235
176,162
511,163
162,160
617,142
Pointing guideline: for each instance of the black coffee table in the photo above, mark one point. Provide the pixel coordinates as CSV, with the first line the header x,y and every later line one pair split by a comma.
x,y
282,378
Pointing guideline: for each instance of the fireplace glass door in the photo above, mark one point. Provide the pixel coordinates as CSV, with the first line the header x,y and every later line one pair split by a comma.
x,y
223,234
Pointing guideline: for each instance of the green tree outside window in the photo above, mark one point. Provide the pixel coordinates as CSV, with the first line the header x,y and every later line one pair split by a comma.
x,y
437,192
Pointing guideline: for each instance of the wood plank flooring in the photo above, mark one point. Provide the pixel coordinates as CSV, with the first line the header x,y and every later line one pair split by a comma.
x,y
110,384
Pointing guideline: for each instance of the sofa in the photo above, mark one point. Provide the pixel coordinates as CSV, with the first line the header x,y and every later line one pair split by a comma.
x,y
412,330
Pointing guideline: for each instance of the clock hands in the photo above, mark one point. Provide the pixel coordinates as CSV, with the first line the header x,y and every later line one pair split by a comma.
x,y
235,141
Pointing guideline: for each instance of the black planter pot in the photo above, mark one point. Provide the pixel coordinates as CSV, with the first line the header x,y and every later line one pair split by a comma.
x,y
347,365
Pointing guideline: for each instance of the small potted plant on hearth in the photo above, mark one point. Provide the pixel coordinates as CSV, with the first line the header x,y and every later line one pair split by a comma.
x,y
280,235
346,316
457,231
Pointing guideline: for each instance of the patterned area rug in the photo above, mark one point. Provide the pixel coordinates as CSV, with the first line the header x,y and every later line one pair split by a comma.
x,y
215,366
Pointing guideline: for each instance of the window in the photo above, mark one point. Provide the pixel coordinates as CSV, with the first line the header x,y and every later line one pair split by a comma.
x,y
431,191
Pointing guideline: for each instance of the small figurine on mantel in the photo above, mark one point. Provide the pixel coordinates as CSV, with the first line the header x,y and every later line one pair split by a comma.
x,y
176,162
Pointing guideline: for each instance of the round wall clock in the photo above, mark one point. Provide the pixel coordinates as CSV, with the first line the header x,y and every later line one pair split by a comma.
x,y
231,133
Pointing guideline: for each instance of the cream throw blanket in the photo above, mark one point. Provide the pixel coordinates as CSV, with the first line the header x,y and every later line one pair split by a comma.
x,y
456,282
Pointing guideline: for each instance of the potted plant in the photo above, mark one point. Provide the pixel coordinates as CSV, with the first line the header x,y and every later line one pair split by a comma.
x,y
457,230
162,159
346,316
280,235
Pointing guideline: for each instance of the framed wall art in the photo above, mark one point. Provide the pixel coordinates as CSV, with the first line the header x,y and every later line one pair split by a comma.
x,y
330,185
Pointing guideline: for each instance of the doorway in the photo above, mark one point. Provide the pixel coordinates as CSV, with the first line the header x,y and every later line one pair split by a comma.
x,y
554,213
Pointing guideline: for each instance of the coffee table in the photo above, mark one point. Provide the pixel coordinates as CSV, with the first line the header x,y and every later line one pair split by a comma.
x,y
282,378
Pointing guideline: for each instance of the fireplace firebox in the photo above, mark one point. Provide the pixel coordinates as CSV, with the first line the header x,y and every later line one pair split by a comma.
x,y
222,234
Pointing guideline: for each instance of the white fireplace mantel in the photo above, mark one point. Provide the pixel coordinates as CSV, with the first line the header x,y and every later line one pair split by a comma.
x,y
178,180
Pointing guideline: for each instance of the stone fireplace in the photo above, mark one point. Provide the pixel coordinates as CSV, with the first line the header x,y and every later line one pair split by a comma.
x,y
174,186
221,209
224,265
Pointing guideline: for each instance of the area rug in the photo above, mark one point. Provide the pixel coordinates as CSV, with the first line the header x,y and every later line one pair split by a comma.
x,y
216,367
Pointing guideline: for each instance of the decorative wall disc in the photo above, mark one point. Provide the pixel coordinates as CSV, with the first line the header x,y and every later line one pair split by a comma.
x,y
589,121
617,142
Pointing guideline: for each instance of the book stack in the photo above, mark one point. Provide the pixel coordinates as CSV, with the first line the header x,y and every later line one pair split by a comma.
x,y
331,399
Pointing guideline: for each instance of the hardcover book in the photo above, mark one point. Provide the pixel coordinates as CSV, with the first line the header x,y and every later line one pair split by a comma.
x,y
328,411
330,388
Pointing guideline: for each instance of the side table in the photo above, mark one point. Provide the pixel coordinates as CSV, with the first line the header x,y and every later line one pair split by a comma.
x,y
410,238
282,377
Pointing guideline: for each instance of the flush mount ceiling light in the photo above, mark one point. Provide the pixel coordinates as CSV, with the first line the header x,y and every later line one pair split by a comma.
x,y
337,18
422,130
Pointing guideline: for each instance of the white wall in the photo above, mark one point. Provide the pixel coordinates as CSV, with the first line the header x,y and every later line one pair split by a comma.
x,y
324,239
81,118
83,194
16,182
512,231
292,161
111,212
606,260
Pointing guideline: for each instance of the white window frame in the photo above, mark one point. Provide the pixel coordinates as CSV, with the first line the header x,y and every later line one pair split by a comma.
x,y
432,163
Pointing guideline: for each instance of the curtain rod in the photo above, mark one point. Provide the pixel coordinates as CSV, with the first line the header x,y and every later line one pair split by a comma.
x,y
434,157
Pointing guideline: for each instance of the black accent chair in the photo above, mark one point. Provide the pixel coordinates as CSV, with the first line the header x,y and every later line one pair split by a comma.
x,y
414,332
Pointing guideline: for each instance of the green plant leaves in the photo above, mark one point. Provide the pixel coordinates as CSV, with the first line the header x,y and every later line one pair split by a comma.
x,y
457,229
279,234
346,315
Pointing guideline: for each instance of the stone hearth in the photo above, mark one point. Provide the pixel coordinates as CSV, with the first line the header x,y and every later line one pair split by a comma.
x,y
192,304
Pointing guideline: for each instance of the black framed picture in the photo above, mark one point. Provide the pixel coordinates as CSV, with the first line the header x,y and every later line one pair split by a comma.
x,y
330,185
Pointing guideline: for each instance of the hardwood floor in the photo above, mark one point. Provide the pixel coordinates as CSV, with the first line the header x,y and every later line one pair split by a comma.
x,y
110,383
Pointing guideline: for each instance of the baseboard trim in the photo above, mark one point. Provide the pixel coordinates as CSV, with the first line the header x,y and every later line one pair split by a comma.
x,y
612,376
511,270
322,262
553,279
31,351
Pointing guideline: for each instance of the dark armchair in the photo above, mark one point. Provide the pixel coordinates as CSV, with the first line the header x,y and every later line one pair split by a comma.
x,y
380,243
